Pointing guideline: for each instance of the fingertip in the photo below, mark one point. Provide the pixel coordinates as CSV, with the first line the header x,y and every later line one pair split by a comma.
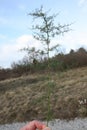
x,y
39,124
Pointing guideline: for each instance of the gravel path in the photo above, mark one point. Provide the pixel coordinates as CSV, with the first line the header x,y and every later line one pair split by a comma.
x,y
77,124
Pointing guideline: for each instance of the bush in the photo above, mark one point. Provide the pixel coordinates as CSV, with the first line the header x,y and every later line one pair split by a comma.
x,y
60,62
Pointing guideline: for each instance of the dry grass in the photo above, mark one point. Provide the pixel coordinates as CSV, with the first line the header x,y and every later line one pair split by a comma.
x,y
24,98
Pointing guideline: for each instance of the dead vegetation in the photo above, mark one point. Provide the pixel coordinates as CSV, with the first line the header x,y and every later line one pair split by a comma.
x,y
24,98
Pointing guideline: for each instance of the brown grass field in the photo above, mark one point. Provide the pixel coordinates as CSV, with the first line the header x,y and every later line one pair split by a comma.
x,y
25,98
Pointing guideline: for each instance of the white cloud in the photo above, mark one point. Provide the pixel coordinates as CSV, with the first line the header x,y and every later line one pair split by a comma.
x,y
83,5
81,2
27,40
74,41
9,52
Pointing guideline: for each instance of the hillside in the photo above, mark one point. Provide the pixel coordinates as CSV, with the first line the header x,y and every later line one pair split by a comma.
x,y
24,98
59,62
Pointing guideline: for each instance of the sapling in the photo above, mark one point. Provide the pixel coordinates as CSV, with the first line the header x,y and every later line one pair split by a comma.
x,y
45,30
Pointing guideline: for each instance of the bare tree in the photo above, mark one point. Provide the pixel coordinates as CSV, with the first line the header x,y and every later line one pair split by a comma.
x,y
32,53
45,30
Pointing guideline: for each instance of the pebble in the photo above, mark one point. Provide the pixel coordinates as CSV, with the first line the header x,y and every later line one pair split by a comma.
x,y
76,124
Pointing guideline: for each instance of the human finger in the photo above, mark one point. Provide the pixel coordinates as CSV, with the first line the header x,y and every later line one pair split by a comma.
x,y
33,125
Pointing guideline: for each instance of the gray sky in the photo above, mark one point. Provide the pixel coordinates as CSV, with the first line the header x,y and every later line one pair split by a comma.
x,y
14,26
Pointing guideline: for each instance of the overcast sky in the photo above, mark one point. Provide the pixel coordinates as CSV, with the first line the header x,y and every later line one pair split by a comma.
x,y
15,23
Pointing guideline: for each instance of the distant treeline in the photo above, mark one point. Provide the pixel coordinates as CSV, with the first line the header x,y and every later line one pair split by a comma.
x,y
60,62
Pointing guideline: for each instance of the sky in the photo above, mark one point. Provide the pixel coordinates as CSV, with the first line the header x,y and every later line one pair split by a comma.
x,y
15,24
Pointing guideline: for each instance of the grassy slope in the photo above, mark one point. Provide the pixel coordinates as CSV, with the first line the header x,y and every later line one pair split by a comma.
x,y
24,98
